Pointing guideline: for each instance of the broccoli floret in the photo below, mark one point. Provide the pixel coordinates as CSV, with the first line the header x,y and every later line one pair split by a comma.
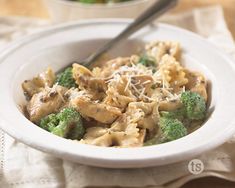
x,y
66,79
171,129
176,114
172,122
194,105
67,124
70,125
49,122
194,108
147,61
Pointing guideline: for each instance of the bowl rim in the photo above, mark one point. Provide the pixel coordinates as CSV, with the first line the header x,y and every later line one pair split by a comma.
x,y
100,6
106,161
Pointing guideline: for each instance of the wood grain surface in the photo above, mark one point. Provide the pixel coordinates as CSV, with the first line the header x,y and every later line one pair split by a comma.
x,y
36,8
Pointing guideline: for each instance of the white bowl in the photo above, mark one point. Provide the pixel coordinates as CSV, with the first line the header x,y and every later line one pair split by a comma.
x,y
65,10
57,46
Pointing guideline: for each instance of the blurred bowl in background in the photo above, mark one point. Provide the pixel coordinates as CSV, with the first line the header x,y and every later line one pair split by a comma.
x,y
65,10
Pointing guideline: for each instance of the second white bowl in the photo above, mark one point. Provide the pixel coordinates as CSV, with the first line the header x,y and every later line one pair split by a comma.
x,y
65,10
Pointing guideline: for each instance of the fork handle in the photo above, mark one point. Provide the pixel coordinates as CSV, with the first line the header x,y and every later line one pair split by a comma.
x,y
153,12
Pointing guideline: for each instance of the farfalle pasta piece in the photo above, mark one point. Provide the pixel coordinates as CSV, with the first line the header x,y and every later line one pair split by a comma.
x,y
118,94
111,66
98,136
129,130
37,84
86,80
158,49
171,74
167,101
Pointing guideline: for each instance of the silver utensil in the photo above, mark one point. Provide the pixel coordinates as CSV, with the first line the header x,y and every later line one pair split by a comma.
x,y
156,10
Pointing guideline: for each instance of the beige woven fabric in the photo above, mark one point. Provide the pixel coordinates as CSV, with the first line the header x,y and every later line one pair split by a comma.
x,y
22,166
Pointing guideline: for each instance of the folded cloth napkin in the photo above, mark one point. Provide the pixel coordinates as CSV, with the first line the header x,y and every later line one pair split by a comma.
x,y
22,166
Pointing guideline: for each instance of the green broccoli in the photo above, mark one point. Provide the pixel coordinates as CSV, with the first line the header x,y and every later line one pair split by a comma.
x,y
147,61
70,124
171,129
67,123
66,79
194,108
194,105
49,122
172,123
175,114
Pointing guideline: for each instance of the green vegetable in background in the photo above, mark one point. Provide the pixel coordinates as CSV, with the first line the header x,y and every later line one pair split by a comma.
x,y
66,79
147,61
67,123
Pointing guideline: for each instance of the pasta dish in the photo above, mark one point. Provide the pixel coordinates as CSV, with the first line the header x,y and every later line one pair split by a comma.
x,y
141,100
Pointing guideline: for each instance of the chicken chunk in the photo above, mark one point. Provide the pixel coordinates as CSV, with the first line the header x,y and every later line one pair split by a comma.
x,y
37,84
45,102
167,101
109,67
100,112
86,80
197,83
151,114
119,94
158,49
170,105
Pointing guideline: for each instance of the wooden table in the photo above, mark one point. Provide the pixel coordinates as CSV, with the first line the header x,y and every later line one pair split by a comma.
x,y
35,8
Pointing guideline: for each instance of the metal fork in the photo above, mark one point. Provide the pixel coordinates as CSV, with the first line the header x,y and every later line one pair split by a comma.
x,y
156,10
